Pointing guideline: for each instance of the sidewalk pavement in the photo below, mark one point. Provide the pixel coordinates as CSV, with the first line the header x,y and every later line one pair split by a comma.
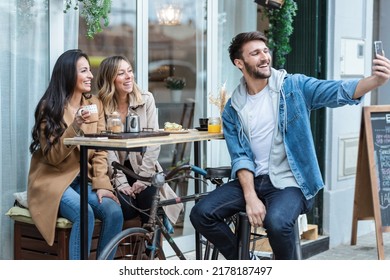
x,y
365,249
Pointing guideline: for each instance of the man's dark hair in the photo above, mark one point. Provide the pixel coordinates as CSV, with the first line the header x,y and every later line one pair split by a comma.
x,y
235,48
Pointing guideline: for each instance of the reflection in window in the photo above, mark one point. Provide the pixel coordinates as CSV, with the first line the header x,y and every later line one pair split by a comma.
x,y
119,38
177,48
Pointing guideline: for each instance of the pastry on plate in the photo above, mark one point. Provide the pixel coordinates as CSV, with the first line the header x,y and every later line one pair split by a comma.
x,y
171,126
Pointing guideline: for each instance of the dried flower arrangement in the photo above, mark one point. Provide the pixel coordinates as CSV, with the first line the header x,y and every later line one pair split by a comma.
x,y
221,99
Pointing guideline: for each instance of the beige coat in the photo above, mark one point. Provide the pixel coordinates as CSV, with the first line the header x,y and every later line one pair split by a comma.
x,y
50,175
145,164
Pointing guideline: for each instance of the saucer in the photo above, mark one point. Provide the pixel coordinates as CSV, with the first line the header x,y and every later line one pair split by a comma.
x,y
201,128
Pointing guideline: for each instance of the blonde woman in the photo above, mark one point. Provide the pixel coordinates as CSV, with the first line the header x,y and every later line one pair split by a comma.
x,y
119,93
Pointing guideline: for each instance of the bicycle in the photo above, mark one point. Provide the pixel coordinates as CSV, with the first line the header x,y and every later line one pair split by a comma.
x,y
143,243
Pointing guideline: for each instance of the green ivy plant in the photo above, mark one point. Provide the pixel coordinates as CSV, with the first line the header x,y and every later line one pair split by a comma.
x,y
280,30
93,11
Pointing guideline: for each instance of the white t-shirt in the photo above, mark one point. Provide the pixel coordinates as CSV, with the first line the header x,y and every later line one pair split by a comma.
x,y
261,128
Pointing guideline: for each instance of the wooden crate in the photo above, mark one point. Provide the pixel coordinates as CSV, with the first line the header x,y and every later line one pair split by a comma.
x,y
311,233
263,245
30,245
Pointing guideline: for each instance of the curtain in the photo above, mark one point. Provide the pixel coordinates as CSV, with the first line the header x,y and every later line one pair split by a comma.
x,y
71,30
27,51
23,78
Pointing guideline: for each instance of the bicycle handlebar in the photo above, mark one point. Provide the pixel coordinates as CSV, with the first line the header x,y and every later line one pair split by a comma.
x,y
198,170
158,179
129,172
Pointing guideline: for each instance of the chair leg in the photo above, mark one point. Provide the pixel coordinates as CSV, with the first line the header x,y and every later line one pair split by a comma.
x,y
243,236
298,248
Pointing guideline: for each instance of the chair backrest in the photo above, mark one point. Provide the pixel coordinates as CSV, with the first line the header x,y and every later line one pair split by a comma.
x,y
183,149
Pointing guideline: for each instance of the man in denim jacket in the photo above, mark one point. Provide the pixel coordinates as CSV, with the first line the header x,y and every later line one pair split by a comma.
x,y
266,124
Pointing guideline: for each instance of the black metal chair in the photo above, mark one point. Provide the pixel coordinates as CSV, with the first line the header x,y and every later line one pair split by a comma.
x,y
244,237
243,228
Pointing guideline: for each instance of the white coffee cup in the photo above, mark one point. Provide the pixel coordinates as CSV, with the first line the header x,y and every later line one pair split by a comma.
x,y
92,109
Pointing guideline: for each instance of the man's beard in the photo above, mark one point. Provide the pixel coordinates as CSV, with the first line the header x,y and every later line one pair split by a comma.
x,y
255,73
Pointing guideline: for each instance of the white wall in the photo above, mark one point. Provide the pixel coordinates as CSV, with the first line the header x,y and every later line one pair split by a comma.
x,y
348,21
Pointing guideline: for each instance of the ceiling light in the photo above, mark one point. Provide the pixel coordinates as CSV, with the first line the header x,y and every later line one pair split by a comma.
x,y
169,15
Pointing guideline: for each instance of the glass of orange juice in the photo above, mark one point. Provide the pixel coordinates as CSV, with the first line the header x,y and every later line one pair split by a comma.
x,y
214,125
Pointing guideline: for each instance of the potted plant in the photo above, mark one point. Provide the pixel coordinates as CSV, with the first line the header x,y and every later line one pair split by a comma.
x,y
280,30
176,85
93,11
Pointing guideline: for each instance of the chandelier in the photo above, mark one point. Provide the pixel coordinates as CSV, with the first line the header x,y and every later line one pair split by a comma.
x,y
169,15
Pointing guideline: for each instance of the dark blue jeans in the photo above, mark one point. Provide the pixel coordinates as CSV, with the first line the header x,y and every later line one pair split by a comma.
x,y
283,208
108,212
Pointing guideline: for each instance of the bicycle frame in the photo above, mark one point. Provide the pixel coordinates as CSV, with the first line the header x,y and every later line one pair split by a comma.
x,y
154,225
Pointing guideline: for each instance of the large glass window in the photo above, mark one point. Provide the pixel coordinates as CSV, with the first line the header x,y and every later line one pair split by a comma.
x,y
119,38
229,25
177,48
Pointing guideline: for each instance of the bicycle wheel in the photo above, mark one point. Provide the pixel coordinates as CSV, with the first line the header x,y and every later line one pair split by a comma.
x,y
130,244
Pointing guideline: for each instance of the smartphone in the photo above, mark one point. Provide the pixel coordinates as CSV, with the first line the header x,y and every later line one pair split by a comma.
x,y
378,47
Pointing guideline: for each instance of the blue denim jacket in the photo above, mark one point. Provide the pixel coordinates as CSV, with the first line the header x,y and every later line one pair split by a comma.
x,y
296,96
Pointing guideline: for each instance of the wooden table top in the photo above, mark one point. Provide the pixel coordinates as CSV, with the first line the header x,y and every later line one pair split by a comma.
x,y
191,136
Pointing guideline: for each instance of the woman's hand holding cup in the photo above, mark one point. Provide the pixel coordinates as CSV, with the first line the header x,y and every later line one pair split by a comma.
x,y
79,118
88,114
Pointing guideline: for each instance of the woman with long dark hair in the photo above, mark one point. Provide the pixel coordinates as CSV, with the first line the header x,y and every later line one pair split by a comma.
x,y
54,180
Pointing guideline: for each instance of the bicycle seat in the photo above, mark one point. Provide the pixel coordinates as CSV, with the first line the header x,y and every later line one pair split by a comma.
x,y
218,172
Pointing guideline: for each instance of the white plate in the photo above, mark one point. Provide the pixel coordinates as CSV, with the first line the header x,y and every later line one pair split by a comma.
x,y
181,131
